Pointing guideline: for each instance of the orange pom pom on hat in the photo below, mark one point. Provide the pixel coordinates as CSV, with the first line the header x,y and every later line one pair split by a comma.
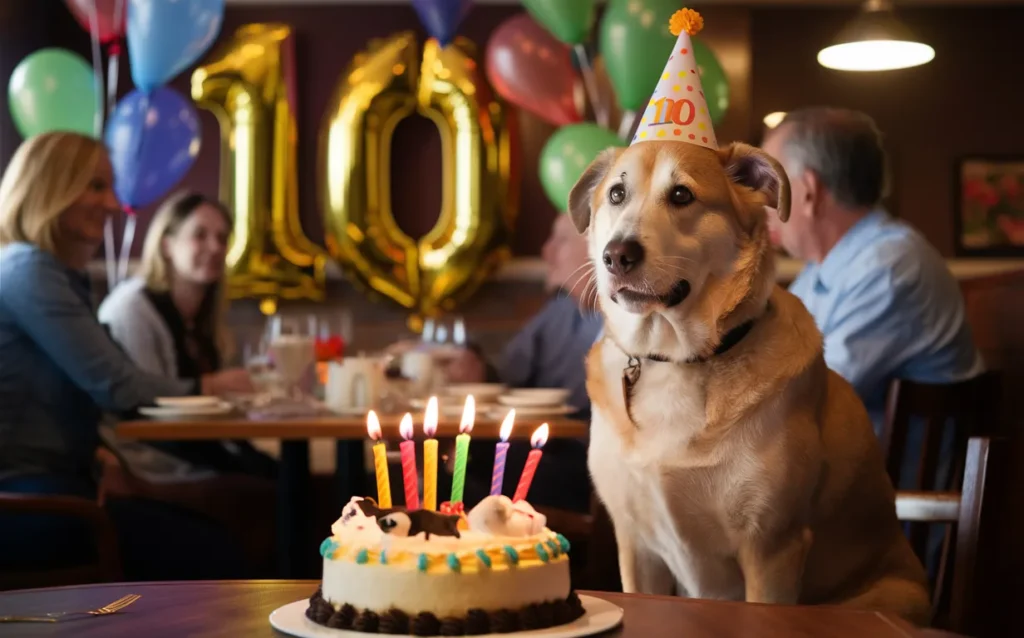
x,y
678,111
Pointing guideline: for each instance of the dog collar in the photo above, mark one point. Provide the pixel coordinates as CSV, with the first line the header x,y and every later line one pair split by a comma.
x,y
631,373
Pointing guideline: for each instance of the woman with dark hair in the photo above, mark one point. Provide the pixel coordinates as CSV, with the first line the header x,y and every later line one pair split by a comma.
x,y
170,318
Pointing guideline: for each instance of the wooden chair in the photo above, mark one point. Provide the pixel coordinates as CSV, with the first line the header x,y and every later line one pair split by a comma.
x,y
593,530
107,564
971,512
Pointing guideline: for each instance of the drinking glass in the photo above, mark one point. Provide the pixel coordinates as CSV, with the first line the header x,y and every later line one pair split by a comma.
x,y
292,346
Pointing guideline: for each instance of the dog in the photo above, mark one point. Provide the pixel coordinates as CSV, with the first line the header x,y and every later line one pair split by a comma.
x,y
733,463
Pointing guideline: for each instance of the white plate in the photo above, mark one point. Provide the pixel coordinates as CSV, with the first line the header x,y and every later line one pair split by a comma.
x,y
478,390
600,615
159,412
530,400
534,411
187,402
557,394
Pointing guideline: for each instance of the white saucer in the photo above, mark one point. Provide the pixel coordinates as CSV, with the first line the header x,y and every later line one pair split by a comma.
x,y
600,615
187,402
181,412
533,411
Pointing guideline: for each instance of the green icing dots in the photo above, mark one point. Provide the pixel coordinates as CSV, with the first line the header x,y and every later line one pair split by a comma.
x,y
328,547
453,563
555,550
383,557
563,542
422,563
541,552
484,558
511,554
362,557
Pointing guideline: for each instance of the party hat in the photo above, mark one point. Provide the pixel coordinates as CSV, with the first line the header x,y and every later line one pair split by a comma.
x,y
678,111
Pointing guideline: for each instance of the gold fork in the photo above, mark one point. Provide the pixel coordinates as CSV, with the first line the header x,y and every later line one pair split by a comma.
x,y
58,616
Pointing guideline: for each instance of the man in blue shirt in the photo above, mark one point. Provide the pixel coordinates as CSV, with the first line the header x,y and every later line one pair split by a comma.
x,y
882,296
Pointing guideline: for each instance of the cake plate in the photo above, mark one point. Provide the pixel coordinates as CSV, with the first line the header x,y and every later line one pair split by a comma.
x,y
599,615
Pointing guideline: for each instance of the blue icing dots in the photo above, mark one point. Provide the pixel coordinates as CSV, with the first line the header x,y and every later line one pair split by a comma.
x,y
555,549
541,552
362,557
453,563
563,542
327,547
421,563
484,558
511,554
383,557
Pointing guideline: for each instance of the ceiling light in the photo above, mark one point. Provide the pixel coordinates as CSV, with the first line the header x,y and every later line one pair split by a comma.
x,y
875,41
774,119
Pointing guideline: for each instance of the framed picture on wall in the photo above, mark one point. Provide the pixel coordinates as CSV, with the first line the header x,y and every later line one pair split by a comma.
x,y
989,206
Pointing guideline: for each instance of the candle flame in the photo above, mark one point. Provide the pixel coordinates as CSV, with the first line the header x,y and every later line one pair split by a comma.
x,y
506,425
430,418
468,415
373,425
539,436
405,427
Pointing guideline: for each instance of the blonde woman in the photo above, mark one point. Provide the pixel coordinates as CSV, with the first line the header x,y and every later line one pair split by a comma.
x,y
169,319
59,369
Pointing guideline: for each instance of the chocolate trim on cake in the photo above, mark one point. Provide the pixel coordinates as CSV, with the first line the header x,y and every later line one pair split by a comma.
x,y
476,622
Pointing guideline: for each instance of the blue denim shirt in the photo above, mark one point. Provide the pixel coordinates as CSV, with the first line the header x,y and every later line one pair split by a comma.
x,y
59,369
888,307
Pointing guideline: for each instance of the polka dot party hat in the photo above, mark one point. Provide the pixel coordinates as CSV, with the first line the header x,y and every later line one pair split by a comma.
x,y
678,111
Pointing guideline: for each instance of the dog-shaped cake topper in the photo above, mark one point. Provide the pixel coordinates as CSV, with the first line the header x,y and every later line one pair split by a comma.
x,y
399,522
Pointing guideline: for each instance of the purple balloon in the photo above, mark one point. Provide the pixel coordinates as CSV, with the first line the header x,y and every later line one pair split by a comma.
x,y
153,141
441,18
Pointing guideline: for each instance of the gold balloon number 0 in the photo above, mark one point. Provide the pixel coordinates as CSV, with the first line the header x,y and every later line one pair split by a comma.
x,y
249,86
384,84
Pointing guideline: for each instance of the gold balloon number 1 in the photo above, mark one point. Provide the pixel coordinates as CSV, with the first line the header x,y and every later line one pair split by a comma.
x,y
384,84
249,85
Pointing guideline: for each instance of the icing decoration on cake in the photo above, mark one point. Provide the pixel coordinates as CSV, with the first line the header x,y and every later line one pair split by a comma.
x,y
353,516
484,558
555,550
362,556
542,553
453,563
401,523
499,516
328,547
512,555
563,542
422,563
383,557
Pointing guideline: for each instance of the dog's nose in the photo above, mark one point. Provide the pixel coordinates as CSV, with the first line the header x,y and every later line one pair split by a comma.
x,y
622,255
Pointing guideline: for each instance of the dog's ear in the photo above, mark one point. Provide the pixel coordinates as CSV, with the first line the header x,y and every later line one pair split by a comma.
x,y
759,171
582,192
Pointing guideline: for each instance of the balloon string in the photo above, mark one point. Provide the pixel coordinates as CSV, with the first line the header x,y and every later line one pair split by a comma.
x,y
109,254
113,64
590,81
126,243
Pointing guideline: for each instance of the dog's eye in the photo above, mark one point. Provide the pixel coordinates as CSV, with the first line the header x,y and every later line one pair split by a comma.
x,y
617,194
680,196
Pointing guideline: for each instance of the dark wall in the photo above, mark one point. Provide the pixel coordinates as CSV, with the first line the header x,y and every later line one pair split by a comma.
x,y
969,99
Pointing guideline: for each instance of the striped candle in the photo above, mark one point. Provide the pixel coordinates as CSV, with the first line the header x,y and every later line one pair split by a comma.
x,y
500,452
380,460
537,439
408,448
462,449
430,456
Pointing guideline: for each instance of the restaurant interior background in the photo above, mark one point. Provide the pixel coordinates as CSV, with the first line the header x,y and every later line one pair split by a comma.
x,y
967,102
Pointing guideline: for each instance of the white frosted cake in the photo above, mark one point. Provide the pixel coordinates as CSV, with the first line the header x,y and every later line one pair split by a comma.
x,y
497,570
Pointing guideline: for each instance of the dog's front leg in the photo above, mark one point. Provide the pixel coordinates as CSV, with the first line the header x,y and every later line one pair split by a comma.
x,y
773,574
641,571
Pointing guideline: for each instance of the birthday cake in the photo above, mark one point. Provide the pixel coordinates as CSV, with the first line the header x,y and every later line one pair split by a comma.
x,y
498,569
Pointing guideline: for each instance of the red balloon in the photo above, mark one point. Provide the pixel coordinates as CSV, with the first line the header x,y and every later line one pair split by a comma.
x,y
532,69
111,26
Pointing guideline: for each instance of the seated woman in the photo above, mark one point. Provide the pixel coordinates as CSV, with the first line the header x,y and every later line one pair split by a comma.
x,y
59,369
170,319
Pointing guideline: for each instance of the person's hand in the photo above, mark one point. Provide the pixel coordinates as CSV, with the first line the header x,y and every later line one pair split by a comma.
x,y
230,381
466,367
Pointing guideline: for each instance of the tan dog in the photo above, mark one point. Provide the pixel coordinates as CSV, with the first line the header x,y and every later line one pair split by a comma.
x,y
741,468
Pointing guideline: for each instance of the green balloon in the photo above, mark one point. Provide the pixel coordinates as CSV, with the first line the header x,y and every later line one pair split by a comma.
x,y
567,153
568,20
635,42
53,90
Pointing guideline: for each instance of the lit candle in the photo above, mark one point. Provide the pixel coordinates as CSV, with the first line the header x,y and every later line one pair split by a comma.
x,y
430,456
462,449
409,478
537,440
380,460
500,451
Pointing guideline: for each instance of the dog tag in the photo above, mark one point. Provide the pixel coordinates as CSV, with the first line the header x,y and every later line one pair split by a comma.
x,y
630,375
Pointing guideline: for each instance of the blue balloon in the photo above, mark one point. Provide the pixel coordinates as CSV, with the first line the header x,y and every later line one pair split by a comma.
x,y
154,140
165,37
441,18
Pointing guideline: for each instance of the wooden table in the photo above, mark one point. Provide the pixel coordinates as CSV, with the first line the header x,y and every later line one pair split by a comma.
x,y
294,557
242,608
